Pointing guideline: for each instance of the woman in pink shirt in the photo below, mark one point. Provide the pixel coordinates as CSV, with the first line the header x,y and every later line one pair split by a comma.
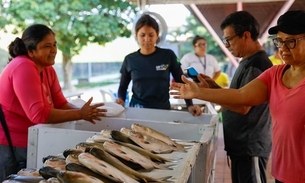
x,y
282,86
31,94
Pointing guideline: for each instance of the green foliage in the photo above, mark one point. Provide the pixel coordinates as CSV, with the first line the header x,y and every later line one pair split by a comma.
x,y
192,28
75,22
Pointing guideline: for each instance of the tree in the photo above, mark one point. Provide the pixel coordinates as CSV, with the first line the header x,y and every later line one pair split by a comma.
x,y
75,23
192,28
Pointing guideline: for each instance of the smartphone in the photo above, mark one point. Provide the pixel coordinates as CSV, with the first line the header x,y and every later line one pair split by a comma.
x,y
191,73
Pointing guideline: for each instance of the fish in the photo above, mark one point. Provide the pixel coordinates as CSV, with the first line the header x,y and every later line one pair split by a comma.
x,y
29,172
122,137
105,156
24,178
84,145
156,134
150,143
76,177
81,168
100,138
55,162
148,154
71,151
125,130
72,155
106,133
104,168
131,155
48,172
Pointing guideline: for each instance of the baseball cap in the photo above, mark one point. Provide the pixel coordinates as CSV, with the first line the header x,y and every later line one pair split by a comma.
x,y
291,22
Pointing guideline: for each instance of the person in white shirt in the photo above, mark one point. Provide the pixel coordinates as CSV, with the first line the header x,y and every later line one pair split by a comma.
x,y
201,61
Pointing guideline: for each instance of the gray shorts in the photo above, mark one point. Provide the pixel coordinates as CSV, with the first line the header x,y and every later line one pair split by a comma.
x,y
8,165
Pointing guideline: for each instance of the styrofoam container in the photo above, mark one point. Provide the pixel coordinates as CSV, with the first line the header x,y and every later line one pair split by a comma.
x,y
197,164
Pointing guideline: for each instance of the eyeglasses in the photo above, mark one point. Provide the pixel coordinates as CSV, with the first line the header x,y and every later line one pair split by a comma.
x,y
226,40
290,43
201,45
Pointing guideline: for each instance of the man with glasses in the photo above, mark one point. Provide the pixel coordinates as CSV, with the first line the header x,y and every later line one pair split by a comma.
x,y
247,130
200,60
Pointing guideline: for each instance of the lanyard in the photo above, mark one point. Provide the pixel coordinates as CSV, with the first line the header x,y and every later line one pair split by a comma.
x,y
204,63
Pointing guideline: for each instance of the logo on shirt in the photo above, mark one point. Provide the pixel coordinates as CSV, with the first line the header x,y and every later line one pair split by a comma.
x,y
162,67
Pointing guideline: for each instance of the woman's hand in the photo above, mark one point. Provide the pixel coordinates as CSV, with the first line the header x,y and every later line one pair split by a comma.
x,y
184,91
120,101
195,110
91,112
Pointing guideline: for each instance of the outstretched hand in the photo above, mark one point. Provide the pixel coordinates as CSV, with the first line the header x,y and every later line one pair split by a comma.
x,y
184,91
91,112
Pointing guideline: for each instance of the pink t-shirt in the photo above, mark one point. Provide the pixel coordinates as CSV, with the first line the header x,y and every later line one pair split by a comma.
x,y
27,97
287,108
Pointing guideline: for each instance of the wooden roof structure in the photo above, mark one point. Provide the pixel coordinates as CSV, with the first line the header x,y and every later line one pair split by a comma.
x,y
212,12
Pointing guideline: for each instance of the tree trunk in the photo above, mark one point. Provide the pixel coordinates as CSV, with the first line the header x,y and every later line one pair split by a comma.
x,y
67,72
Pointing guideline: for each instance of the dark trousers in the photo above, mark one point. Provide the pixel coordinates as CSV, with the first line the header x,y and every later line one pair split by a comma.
x,y
248,169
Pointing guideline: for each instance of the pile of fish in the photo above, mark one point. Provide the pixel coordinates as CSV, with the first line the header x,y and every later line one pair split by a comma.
x,y
111,156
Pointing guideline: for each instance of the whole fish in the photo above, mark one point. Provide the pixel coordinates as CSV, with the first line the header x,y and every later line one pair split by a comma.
x,y
122,137
150,143
146,153
156,134
72,155
76,177
71,151
23,178
84,145
131,155
106,133
55,162
105,156
104,168
29,172
81,168
100,138
48,172
125,130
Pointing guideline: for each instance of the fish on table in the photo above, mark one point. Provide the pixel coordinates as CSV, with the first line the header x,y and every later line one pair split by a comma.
x,y
156,134
131,155
104,168
150,143
76,177
105,156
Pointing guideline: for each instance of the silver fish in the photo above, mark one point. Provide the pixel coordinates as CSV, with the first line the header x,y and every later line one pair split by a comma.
x,y
81,168
29,172
105,156
76,177
148,154
106,133
23,178
156,134
83,145
150,143
104,168
131,155
57,163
